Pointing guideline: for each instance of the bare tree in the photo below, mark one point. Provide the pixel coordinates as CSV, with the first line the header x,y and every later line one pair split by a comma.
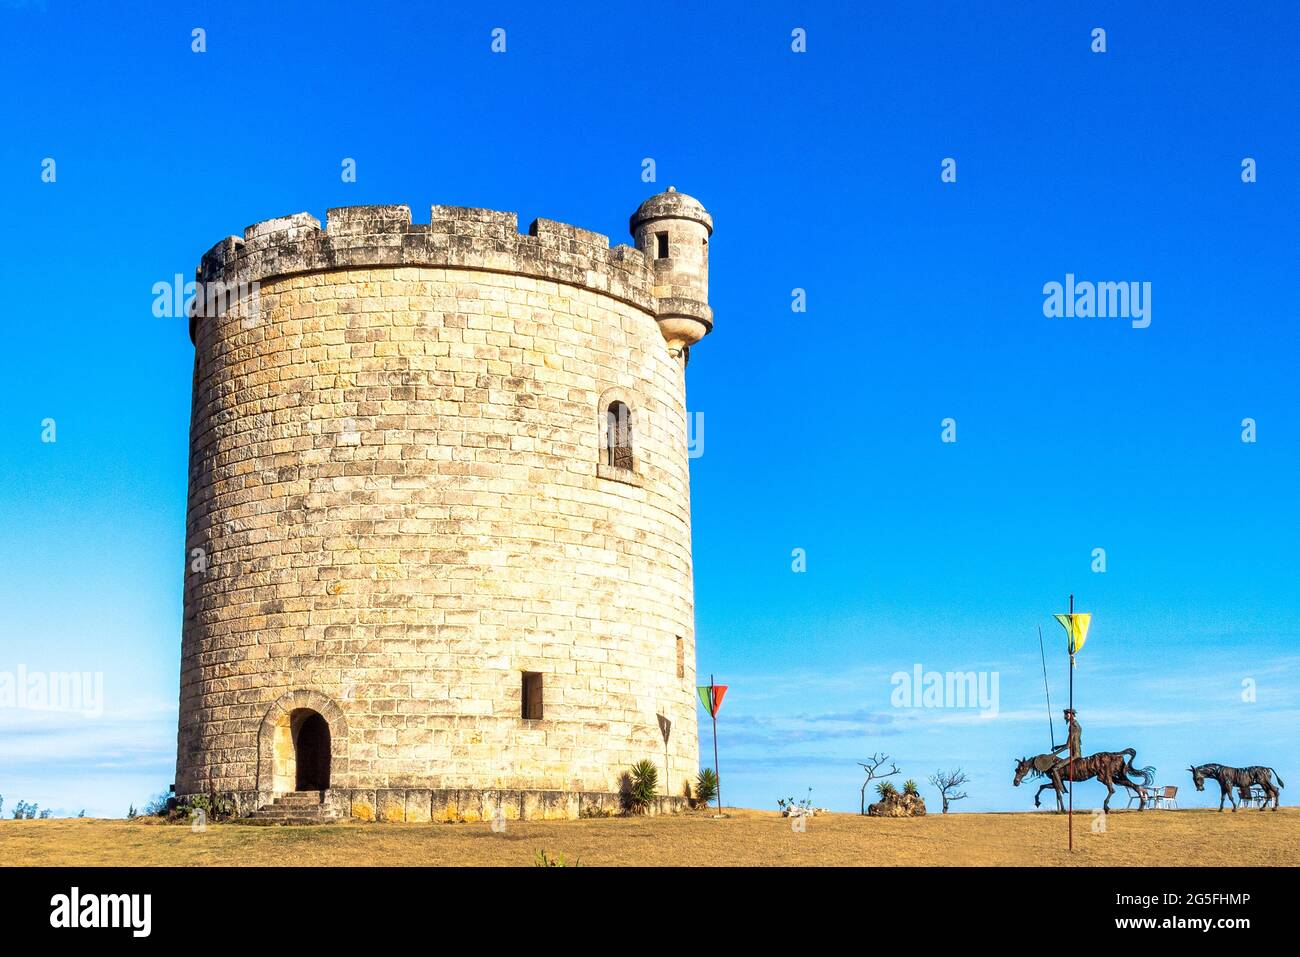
x,y
871,766
947,782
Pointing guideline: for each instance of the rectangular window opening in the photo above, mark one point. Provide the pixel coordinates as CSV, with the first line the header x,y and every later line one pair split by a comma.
x,y
661,245
532,696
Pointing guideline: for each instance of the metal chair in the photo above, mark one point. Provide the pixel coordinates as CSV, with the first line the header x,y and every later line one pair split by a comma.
x,y
1252,796
1149,796
1168,798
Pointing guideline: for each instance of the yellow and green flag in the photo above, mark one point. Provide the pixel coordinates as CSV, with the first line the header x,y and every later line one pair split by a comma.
x,y
1076,627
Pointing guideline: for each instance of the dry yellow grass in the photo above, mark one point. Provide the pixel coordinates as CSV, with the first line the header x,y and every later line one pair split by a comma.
x,y
745,838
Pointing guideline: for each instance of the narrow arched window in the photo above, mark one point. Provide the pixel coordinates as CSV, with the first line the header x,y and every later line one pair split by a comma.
x,y
618,436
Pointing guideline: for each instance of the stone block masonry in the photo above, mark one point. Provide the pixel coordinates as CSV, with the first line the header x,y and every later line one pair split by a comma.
x,y
404,483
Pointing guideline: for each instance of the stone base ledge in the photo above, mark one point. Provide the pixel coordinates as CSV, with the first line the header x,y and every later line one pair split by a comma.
x,y
458,805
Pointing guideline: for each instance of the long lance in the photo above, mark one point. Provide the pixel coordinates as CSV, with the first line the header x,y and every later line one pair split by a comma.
x,y
1051,728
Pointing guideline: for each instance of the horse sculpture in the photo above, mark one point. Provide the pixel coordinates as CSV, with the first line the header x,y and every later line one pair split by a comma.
x,y
1108,767
1240,778
1040,766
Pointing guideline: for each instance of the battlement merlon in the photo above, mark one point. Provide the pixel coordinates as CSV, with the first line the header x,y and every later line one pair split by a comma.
x,y
456,237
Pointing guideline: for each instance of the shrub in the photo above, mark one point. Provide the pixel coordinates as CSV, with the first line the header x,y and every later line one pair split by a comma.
x,y
909,787
216,806
157,804
541,860
643,786
706,786
885,789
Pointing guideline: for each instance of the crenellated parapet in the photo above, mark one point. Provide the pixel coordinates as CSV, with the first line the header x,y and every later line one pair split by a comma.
x,y
455,237
666,274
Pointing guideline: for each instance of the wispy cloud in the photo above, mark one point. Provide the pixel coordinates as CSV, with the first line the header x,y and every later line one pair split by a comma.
x,y
33,739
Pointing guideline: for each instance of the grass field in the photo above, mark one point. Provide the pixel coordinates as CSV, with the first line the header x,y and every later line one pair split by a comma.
x,y
745,838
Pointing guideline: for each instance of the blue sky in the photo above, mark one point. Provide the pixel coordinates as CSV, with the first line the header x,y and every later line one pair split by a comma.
x,y
822,429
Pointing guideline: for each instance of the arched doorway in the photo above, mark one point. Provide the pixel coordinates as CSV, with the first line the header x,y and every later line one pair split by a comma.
x,y
311,750
301,726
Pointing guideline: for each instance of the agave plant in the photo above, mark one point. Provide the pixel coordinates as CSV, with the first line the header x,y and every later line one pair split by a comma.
x,y
909,787
706,786
645,784
885,789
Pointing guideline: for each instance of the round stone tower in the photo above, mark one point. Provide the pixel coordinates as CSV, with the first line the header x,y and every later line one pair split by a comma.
x,y
438,535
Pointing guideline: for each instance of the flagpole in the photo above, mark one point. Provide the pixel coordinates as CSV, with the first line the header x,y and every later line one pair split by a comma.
x,y
1069,644
665,729
713,712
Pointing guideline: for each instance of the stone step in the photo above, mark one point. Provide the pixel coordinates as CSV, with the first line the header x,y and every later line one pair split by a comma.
x,y
313,810
272,821
295,807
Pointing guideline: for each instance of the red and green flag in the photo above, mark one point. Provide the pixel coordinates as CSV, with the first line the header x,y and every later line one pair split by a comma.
x,y
711,697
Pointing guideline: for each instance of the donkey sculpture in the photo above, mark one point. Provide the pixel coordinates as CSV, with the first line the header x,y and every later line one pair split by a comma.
x,y
1108,767
1242,779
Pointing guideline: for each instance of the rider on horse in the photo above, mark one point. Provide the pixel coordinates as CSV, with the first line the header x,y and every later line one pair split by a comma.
x,y
1073,741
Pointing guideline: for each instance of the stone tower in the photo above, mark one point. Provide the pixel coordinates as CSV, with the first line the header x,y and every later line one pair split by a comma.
x,y
438,533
